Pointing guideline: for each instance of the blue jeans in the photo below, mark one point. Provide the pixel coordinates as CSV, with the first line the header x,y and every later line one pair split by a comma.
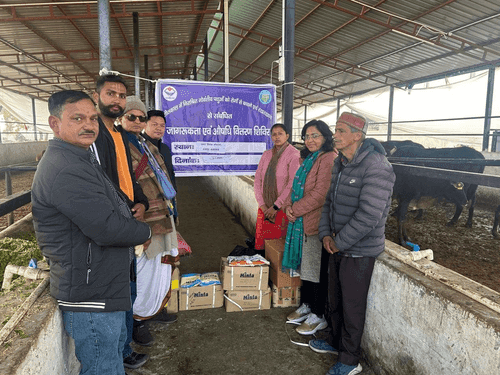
x,y
99,340
127,350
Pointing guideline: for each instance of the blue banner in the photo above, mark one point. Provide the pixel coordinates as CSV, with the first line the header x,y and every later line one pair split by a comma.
x,y
216,128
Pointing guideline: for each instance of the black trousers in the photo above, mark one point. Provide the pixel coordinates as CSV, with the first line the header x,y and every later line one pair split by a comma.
x,y
315,294
349,281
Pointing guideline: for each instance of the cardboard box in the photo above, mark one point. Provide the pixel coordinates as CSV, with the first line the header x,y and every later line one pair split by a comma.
x,y
201,297
286,296
244,278
172,304
274,254
245,300
176,278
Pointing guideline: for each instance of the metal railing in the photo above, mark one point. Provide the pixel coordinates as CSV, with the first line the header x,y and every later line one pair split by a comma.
x,y
14,201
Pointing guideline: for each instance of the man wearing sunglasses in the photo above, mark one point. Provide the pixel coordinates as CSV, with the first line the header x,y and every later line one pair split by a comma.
x,y
112,151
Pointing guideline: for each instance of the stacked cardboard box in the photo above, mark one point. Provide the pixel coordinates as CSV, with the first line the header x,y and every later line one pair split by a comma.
x,y
173,303
246,287
201,297
274,254
286,285
286,296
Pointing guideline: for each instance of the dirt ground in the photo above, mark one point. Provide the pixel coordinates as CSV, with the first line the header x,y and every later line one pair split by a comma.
x,y
216,342
472,252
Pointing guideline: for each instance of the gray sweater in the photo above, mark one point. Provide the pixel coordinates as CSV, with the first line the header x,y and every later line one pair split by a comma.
x,y
358,201
81,231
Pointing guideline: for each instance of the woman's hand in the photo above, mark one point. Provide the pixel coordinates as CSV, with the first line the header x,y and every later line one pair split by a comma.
x,y
289,214
264,208
270,213
329,245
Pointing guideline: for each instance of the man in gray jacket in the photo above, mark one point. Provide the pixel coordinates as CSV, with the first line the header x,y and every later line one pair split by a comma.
x,y
352,228
87,233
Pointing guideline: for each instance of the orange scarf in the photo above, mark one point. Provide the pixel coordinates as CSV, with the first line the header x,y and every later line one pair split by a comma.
x,y
122,165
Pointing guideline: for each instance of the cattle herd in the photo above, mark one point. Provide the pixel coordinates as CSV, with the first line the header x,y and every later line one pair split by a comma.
x,y
417,192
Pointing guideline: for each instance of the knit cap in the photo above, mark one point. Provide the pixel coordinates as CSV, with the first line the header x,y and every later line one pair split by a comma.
x,y
134,102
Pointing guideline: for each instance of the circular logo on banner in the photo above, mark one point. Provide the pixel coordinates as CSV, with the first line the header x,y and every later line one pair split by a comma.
x,y
265,97
169,93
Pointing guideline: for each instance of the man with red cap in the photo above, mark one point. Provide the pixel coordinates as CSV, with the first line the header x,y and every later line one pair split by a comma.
x,y
352,228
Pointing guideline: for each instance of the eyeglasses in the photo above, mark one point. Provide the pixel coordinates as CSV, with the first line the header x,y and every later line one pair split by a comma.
x,y
313,136
134,117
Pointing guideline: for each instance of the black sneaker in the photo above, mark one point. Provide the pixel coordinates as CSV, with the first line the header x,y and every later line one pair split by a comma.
x,y
141,334
164,317
135,360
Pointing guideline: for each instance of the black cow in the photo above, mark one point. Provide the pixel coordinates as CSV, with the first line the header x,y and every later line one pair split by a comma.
x,y
409,187
494,231
390,147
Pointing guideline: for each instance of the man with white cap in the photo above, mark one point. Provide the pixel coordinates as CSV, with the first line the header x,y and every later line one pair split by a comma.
x,y
352,228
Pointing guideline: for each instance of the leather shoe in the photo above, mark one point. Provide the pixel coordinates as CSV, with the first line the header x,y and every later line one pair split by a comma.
x,y
164,317
141,335
135,360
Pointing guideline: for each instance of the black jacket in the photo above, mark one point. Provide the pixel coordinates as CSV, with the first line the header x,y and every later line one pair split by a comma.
x,y
81,231
107,156
166,153
358,201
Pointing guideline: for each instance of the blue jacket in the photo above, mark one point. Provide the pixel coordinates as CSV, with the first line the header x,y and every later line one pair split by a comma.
x,y
358,201
81,231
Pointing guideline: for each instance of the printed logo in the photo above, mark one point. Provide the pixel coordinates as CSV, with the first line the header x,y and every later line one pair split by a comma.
x,y
169,93
246,274
200,294
352,181
249,297
265,97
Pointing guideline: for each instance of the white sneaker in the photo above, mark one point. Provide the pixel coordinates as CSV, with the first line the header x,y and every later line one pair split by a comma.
x,y
312,324
300,314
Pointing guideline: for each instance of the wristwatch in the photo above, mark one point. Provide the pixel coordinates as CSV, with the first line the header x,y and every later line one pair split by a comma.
x,y
276,207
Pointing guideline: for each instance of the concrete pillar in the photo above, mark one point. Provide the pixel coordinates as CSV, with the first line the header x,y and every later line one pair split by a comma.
x,y
104,34
288,54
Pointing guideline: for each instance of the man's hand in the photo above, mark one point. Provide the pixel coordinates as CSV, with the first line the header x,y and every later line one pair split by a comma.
x,y
146,244
138,211
289,214
329,245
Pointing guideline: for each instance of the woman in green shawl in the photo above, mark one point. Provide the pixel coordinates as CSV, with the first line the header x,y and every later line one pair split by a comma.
x,y
303,249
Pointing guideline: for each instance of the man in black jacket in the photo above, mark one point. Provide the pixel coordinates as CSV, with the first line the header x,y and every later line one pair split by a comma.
x,y
87,233
112,150
352,229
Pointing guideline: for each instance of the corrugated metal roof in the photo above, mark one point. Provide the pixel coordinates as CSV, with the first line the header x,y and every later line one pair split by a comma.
x,y
342,47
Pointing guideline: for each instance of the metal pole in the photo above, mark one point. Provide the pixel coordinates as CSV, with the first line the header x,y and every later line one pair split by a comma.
x,y
152,88
137,64
195,74
305,114
226,41
205,52
8,191
338,108
104,34
489,104
288,53
33,108
389,116
146,83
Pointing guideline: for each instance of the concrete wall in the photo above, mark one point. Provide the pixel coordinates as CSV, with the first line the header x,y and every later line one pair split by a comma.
x,y
415,324
48,350
23,152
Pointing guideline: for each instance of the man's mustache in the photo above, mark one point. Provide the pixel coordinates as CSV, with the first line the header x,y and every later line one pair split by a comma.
x,y
87,132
